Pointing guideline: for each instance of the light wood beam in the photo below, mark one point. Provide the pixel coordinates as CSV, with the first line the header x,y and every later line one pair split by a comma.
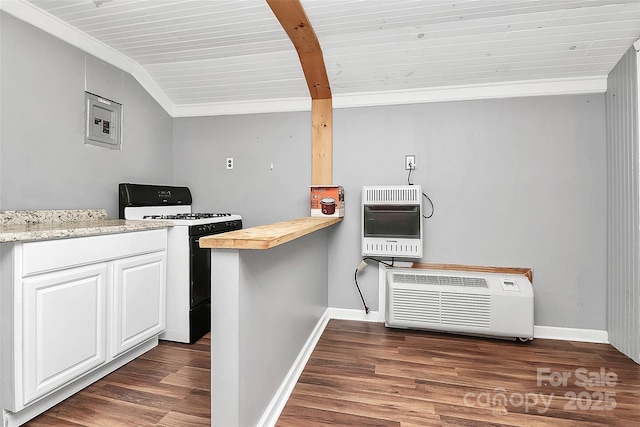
x,y
295,23
321,141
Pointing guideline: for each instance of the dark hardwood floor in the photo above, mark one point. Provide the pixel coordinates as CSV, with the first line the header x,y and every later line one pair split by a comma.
x,y
363,374
168,386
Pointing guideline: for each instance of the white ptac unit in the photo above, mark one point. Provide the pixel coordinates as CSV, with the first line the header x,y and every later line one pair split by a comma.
x,y
392,221
488,304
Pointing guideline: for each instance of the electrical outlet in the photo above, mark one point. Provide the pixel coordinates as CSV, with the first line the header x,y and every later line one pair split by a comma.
x,y
409,162
229,162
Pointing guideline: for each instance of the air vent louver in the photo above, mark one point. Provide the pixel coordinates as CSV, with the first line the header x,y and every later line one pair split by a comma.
x,y
417,305
441,308
458,309
392,194
466,282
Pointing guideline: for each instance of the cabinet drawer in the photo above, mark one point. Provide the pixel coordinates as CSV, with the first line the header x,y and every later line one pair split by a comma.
x,y
50,255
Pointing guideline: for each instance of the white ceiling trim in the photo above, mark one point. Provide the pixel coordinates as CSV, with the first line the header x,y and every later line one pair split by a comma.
x,y
517,89
583,85
282,105
27,12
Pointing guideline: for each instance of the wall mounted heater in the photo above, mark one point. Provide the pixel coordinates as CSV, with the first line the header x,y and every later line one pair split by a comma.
x,y
392,221
488,304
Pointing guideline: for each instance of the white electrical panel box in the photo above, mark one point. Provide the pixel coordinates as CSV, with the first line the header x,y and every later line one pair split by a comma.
x,y
103,119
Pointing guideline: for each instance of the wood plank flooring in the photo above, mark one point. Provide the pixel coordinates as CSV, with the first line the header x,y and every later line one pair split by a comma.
x,y
169,386
363,374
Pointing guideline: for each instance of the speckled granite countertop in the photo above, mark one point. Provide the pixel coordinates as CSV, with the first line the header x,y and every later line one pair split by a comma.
x,y
18,226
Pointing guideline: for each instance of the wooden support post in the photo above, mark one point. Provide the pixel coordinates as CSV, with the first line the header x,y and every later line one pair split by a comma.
x,y
294,21
321,141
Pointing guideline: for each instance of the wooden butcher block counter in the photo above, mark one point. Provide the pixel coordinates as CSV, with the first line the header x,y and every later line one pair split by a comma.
x,y
267,236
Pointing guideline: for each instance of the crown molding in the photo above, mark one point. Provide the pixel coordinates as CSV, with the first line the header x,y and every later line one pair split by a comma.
x,y
31,14
577,86
587,85
283,105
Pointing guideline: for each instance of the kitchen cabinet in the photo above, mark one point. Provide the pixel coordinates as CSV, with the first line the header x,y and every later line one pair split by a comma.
x,y
138,300
73,310
63,327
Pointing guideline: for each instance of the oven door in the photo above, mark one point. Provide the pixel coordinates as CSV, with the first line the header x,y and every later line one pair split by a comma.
x,y
200,267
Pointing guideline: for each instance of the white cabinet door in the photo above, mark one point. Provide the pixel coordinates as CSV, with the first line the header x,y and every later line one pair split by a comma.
x,y
138,300
64,327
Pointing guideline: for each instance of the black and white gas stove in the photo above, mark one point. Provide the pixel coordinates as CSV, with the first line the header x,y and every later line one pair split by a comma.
x,y
188,266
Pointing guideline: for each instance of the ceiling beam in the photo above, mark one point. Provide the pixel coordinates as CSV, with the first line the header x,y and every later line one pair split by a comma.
x,y
295,23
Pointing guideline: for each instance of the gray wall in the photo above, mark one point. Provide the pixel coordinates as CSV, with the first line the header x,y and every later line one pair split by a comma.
x,y
265,305
261,194
516,182
44,163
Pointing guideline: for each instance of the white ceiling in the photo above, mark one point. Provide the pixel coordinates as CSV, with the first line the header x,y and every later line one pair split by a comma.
x,y
215,56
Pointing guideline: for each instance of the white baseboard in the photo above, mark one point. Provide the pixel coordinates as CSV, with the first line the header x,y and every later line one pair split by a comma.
x,y
543,332
571,334
279,400
351,314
